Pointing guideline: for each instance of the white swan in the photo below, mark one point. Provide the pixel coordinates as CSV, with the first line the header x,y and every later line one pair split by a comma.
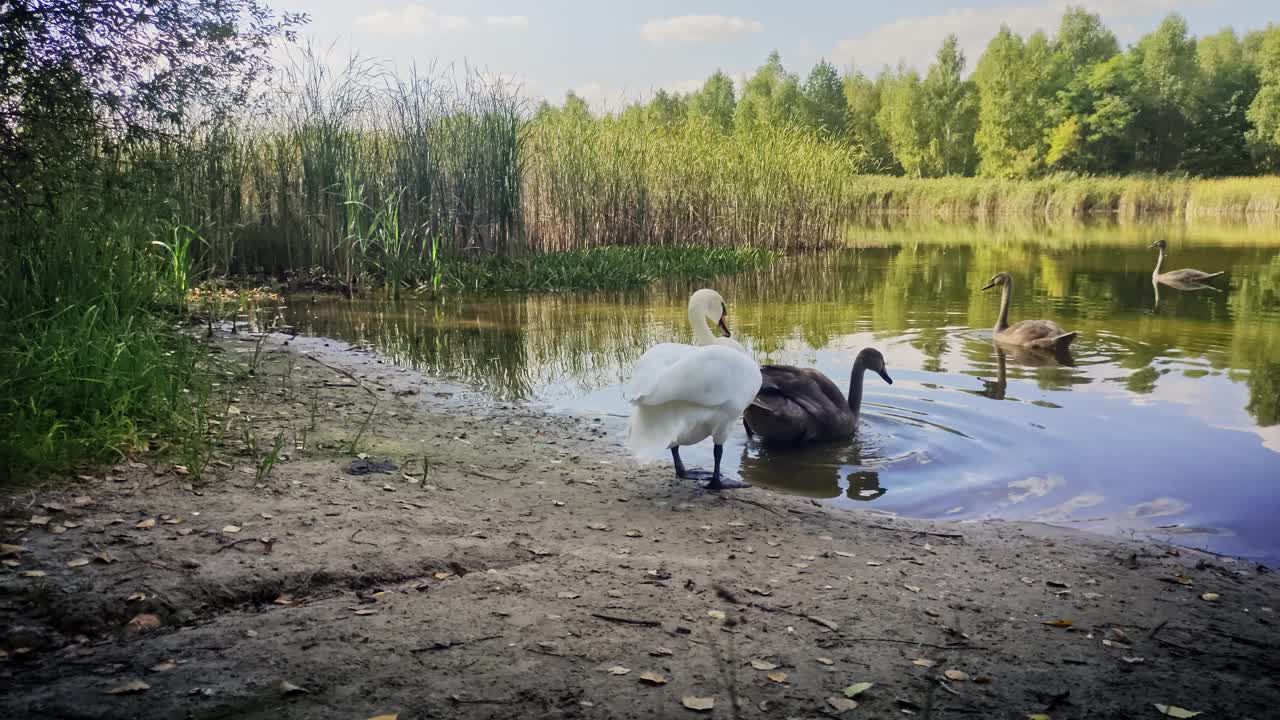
x,y
684,393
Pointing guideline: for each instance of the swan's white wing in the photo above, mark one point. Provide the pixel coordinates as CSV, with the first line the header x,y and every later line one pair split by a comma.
x,y
713,376
731,343
684,395
650,367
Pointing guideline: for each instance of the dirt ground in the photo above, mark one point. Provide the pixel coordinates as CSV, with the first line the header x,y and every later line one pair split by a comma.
x,y
536,571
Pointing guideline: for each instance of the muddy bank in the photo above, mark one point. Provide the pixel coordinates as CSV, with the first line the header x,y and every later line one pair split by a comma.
x,y
533,570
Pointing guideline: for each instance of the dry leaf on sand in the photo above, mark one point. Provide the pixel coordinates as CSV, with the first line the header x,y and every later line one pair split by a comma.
x,y
133,686
842,705
1176,712
144,623
701,704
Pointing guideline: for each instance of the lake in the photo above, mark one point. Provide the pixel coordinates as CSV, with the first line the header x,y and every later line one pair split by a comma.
x,y
1163,423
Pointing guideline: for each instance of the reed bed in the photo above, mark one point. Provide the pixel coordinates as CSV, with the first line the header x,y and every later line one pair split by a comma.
x,y
361,177
1143,197
592,182
354,173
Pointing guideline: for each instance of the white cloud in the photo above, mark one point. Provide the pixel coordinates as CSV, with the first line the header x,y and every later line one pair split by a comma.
x,y
1034,487
412,19
601,97
506,22
683,87
696,28
914,40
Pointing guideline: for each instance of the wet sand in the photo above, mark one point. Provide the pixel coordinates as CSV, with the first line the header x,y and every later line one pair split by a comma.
x,y
537,571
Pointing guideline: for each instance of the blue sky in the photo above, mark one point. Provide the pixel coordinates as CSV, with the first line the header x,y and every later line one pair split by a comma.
x,y
611,53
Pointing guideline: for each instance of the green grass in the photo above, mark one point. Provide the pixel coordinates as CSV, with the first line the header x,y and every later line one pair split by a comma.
x,y
90,367
598,268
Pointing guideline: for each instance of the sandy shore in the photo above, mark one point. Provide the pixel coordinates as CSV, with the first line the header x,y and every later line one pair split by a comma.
x,y
536,571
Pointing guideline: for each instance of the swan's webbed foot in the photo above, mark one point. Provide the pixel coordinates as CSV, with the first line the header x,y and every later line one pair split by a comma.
x,y
724,483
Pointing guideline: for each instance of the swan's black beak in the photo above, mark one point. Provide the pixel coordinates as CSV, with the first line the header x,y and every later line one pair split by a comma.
x,y
1154,245
724,324
989,285
884,373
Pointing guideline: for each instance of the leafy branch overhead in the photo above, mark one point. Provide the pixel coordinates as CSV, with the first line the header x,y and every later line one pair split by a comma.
x,y
139,68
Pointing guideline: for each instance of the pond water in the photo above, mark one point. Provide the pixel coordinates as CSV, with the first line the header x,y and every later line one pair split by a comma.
x,y
1164,422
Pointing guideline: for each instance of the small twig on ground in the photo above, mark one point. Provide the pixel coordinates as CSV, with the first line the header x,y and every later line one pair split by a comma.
x,y
452,644
359,383
467,701
626,620
234,543
361,542
760,505
915,531
544,651
487,476
842,640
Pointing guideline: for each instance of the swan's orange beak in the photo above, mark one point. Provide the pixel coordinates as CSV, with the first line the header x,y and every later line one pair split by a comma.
x,y
724,323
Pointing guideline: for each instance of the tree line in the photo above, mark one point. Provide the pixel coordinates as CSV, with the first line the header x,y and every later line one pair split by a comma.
x,y
1073,102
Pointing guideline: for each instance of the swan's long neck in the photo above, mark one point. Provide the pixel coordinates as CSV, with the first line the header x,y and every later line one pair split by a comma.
x,y
1002,322
1159,262
855,386
701,333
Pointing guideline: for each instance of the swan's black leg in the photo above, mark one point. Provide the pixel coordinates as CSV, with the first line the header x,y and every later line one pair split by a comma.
x,y
747,427
675,457
718,483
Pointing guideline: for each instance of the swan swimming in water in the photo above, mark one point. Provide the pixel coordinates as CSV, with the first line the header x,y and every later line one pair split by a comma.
x,y
683,394
1040,334
799,406
1175,277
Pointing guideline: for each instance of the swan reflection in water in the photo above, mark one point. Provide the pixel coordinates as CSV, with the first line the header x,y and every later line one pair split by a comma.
x,y
1027,357
816,471
1180,285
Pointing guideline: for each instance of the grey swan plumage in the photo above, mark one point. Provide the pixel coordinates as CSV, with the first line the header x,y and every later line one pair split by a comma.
x,y
1174,277
798,406
1039,334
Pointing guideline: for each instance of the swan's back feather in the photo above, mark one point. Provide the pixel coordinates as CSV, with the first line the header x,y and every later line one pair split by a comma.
x,y
681,394
1037,333
798,405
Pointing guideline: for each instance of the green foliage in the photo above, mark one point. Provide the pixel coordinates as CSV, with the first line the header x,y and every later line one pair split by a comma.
x,y
88,369
951,112
1166,84
900,119
771,98
1013,79
72,69
1217,141
863,100
824,105
715,103
1264,111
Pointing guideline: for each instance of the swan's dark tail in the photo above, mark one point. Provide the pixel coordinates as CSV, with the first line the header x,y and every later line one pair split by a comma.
x,y
1063,341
